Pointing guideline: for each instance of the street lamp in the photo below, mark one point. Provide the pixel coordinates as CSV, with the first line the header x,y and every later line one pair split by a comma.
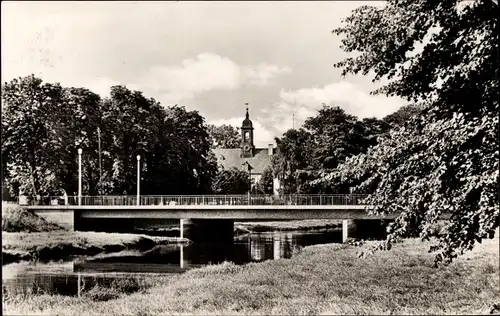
x,y
138,178
249,180
80,176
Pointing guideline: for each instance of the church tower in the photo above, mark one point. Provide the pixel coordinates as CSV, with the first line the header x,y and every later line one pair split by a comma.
x,y
247,146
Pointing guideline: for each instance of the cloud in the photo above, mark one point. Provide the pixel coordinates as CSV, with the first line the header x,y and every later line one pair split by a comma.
x,y
262,135
204,73
347,95
295,106
262,74
207,72
102,86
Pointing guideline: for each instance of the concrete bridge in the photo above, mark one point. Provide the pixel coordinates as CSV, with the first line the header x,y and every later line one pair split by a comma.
x,y
209,216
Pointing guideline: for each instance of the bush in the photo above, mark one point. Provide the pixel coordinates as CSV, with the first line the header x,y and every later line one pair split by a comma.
x,y
125,285
17,219
101,294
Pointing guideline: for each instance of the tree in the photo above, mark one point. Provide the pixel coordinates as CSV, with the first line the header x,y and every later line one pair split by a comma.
x,y
445,159
325,140
402,115
224,136
293,152
373,128
174,145
336,135
265,183
188,142
30,143
78,129
133,123
231,181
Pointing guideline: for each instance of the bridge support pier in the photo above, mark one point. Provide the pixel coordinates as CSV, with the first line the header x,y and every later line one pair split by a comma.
x,y
181,228
345,225
77,221
199,230
364,229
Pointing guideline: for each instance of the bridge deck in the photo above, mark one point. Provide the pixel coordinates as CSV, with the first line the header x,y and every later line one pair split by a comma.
x,y
213,207
218,211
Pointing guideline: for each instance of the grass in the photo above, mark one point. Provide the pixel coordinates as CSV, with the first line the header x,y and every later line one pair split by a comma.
x,y
288,225
323,279
58,245
17,219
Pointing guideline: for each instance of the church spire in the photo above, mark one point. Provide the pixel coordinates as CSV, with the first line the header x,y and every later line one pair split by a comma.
x,y
247,146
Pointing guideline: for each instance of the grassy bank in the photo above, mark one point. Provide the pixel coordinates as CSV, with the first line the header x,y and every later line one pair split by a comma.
x,y
288,225
16,219
259,226
58,245
327,279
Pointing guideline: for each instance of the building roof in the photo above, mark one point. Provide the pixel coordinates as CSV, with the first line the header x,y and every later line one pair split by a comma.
x,y
231,158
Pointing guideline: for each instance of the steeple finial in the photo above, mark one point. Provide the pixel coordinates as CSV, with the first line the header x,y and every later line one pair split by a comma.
x,y
247,115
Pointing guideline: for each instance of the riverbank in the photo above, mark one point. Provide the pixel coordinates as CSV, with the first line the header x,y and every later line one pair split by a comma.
x,y
241,228
324,279
303,225
17,219
61,245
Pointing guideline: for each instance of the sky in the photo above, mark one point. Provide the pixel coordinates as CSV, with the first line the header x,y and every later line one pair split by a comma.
x,y
212,57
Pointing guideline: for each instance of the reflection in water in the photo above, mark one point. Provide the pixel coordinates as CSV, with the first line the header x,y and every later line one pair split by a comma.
x,y
63,278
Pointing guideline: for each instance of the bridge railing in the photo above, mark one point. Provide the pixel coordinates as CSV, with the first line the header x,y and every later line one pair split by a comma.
x,y
241,199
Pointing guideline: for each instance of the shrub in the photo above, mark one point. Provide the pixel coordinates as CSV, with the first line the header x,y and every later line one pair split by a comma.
x,y
17,219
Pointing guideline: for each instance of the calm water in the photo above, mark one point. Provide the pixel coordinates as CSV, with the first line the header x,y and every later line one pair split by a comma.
x,y
63,277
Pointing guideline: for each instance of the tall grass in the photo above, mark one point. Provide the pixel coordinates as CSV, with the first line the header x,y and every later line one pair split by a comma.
x,y
118,286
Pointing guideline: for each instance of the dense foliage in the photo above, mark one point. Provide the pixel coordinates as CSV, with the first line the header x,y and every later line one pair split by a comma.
x,y
324,142
292,154
44,124
265,183
231,181
446,158
224,136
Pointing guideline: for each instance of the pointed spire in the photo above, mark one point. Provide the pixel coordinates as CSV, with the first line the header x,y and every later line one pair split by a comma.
x,y
246,115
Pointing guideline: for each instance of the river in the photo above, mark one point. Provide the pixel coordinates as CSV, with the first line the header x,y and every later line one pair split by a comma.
x,y
65,277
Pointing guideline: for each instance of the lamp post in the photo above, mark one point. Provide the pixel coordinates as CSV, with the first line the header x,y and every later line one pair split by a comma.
x,y
249,180
249,184
80,176
100,169
138,179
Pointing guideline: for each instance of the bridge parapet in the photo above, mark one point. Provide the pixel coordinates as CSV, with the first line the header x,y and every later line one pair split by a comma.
x,y
241,199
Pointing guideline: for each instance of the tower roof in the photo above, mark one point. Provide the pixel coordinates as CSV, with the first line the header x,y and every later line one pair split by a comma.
x,y
247,123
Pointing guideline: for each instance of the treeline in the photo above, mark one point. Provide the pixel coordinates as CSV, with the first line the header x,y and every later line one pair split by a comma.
x,y
44,124
324,142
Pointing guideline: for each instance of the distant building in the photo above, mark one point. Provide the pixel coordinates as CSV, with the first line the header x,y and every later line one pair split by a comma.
x,y
247,155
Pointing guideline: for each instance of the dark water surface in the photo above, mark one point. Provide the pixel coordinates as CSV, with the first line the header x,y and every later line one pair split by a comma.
x,y
65,277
